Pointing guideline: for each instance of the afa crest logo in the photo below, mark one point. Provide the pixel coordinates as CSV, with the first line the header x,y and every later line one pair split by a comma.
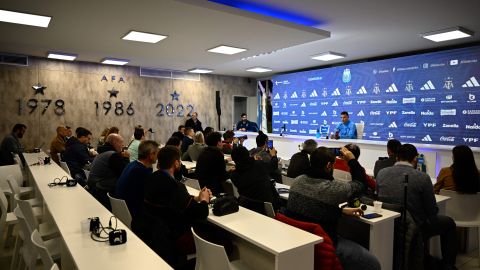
x,y
347,75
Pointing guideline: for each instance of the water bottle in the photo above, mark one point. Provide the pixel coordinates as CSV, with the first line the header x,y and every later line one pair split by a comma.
x,y
421,163
318,134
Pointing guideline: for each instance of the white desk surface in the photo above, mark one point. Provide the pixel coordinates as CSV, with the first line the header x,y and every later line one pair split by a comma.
x,y
189,165
69,206
265,232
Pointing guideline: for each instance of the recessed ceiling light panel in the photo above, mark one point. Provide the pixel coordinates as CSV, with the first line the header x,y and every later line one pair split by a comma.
x,y
62,56
143,37
259,69
200,70
24,18
115,61
448,34
328,56
223,49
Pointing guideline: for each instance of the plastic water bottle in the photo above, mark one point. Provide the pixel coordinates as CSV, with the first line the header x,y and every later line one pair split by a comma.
x,y
421,163
318,133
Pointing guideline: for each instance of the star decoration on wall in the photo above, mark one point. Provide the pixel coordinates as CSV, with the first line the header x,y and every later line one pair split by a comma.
x,y
113,92
175,95
39,89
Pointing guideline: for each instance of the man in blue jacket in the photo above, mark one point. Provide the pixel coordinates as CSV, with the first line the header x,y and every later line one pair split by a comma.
x,y
346,129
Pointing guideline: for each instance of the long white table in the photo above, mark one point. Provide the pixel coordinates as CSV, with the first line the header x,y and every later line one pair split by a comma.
x,y
265,243
68,206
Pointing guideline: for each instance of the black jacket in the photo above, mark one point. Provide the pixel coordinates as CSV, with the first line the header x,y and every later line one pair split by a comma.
x,y
186,142
76,156
383,163
211,169
299,164
196,126
104,175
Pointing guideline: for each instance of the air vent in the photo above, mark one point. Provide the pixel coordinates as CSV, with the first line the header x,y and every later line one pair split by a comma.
x,y
169,74
13,59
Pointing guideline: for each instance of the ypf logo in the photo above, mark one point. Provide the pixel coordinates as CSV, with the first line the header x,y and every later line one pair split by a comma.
x,y
470,140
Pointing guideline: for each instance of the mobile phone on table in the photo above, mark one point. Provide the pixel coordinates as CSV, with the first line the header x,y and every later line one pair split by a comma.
x,y
270,144
372,215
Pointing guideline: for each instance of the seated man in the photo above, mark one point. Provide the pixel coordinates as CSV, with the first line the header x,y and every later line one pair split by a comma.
x,y
300,162
57,146
420,200
245,125
211,168
138,137
106,168
169,210
11,145
187,139
392,147
131,184
177,143
346,129
77,154
342,165
196,148
251,178
268,156
228,141
315,197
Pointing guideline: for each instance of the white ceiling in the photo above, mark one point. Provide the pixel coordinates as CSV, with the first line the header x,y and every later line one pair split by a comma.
x,y
359,29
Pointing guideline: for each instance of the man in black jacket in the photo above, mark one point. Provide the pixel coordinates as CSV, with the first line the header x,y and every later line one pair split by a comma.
x,y
211,169
77,155
169,210
300,162
107,168
194,123
187,139
392,148
11,145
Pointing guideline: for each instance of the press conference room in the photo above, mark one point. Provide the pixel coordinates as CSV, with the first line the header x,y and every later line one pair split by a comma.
x,y
242,134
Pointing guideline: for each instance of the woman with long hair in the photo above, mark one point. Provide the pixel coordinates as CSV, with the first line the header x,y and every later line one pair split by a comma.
x,y
462,175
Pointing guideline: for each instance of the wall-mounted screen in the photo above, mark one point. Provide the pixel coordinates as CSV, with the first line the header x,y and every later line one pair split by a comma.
x,y
431,98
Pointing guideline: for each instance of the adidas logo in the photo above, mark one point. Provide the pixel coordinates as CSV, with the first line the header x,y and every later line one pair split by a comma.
x,y
294,95
303,105
428,86
324,113
427,138
336,92
335,103
393,125
313,94
277,96
392,89
472,82
360,113
362,91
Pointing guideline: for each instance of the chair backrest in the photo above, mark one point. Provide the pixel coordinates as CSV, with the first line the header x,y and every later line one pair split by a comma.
x,y
42,250
3,215
269,211
29,252
360,127
64,166
193,183
462,207
210,256
230,188
13,185
18,161
10,170
54,267
120,210
27,213
342,175
287,180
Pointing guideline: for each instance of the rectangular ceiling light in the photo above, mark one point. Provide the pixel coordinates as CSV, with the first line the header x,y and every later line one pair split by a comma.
x,y
62,56
259,69
448,34
115,61
24,18
328,56
226,50
143,37
200,70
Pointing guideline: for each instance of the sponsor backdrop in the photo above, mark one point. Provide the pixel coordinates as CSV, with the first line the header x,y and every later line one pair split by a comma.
x,y
431,98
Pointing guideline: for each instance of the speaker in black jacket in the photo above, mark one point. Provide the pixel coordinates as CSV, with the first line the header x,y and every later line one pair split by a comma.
x,y
217,102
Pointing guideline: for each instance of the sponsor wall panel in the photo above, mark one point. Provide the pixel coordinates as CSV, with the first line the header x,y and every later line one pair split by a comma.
x,y
428,98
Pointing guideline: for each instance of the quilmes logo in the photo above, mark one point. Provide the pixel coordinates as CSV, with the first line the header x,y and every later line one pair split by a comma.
x,y
474,126
314,93
428,86
393,125
294,95
391,112
447,139
427,138
391,101
450,126
336,92
410,125
347,75
409,100
470,140
429,99
362,91
429,125
375,113
472,82
408,112
450,112
427,113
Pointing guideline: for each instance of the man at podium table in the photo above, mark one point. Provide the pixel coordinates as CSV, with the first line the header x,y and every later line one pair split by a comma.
x,y
346,129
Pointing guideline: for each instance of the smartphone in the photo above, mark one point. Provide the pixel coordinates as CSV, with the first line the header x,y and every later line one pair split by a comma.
x,y
270,144
372,215
336,151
